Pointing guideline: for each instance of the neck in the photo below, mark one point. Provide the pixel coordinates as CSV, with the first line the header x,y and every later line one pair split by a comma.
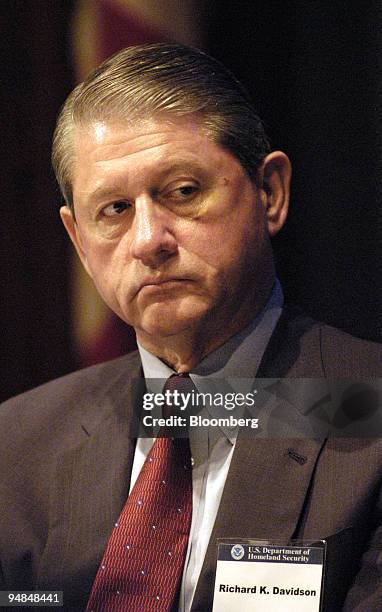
x,y
184,351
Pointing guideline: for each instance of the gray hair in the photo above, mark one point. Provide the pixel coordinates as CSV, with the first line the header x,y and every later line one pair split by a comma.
x,y
169,80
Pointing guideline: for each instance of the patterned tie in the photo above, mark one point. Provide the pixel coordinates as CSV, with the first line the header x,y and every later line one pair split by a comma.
x,y
144,559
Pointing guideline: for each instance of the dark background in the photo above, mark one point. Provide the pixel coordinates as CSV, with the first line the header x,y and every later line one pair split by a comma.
x,y
314,70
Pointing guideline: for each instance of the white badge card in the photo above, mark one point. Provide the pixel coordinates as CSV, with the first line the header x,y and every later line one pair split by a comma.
x,y
256,576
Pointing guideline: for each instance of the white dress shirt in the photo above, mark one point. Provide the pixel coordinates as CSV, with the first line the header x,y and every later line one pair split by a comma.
x,y
211,450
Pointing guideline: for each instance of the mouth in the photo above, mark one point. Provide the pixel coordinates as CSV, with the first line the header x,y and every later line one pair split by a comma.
x,y
161,283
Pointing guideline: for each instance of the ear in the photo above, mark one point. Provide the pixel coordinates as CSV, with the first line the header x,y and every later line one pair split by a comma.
x,y
74,234
274,182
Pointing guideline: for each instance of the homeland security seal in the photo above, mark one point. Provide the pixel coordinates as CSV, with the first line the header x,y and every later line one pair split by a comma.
x,y
237,552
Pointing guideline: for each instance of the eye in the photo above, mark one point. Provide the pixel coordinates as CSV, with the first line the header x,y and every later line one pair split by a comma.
x,y
114,209
182,192
186,190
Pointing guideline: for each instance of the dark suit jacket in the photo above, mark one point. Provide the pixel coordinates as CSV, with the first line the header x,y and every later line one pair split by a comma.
x,y
65,462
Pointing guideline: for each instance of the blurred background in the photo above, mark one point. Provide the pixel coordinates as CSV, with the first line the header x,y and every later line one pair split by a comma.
x,y
314,71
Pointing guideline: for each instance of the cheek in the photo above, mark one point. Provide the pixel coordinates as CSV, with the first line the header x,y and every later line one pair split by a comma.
x,y
225,245
100,257
98,250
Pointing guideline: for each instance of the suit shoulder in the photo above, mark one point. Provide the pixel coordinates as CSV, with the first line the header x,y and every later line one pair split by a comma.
x,y
345,356
303,347
39,425
73,391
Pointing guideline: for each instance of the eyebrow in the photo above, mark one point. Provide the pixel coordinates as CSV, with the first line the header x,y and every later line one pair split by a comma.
x,y
177,165
101,193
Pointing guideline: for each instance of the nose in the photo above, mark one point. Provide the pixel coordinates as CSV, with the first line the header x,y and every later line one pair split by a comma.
x,y
152,240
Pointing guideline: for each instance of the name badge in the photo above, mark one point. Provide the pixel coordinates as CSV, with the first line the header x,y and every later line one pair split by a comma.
x,y
258,575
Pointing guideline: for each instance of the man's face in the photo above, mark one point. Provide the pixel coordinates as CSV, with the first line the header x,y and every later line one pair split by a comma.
x,y
168,225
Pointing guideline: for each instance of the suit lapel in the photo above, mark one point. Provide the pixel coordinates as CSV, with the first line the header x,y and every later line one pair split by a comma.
x,y
90,488
263,498
268,480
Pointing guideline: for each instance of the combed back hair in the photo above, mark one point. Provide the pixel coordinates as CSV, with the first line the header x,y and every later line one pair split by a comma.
x,y
166,80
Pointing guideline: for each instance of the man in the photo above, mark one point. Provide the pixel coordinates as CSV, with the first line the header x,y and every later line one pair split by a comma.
x,y
172,196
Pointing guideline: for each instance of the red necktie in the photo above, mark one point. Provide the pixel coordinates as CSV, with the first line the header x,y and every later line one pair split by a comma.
x,y
144,559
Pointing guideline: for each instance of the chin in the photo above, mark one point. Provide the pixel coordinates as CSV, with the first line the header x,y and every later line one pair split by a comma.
x,y
165,328
161,322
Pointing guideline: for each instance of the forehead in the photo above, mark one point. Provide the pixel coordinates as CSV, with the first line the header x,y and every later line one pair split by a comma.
x,y
108,150
108,138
